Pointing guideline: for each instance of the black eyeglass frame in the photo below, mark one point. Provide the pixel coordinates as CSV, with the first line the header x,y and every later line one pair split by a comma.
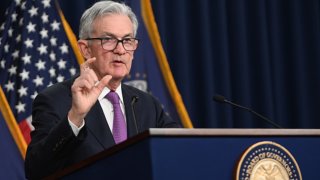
x,y
118,40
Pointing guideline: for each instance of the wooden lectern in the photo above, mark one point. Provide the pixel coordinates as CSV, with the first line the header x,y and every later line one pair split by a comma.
x,y
193,154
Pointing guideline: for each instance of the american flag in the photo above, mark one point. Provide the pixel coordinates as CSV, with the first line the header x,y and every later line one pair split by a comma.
x,y
34,54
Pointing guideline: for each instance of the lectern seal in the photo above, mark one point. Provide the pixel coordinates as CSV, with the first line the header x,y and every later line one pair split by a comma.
x,y
267,160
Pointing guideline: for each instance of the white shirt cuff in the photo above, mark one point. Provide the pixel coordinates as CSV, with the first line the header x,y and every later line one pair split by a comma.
x,y
75,128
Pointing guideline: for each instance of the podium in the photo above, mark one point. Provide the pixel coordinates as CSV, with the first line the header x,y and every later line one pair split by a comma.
x,y
193,154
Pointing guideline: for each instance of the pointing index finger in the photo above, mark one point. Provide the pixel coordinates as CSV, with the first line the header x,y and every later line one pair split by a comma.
x,y
86,65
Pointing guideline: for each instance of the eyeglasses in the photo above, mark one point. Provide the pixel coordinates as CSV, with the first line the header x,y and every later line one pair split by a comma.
x,y
110,43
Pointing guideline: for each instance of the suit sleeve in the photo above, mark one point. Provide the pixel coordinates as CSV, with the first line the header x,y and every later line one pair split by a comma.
x,y
52,139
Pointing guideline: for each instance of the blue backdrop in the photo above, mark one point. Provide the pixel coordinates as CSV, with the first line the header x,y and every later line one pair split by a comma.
x,y
264,54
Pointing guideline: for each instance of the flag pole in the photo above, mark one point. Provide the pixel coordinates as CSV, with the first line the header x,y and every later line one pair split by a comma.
x,y
70,35
12,124
148,18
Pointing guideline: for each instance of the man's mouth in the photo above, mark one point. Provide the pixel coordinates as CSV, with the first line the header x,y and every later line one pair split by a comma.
x,y
118,62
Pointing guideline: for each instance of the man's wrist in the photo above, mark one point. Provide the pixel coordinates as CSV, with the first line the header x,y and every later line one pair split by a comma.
x,y
76,120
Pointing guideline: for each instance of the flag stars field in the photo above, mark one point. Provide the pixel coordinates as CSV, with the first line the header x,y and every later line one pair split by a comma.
x,y
34,53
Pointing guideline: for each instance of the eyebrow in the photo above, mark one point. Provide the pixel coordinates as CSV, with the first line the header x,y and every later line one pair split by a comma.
x,y
113,35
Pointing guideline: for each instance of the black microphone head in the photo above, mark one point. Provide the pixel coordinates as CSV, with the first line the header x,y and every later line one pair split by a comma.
x,y
134,99
219,98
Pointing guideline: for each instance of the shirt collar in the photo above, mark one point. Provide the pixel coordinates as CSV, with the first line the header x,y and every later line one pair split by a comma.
x,y
106,90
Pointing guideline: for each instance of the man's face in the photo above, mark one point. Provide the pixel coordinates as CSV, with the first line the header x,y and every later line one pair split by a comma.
x,y
116,63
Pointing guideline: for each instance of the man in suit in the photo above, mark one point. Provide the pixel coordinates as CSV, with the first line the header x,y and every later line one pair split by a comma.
x,y
76,119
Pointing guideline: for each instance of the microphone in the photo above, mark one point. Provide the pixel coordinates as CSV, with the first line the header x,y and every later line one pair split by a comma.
x,y
133,101
221,99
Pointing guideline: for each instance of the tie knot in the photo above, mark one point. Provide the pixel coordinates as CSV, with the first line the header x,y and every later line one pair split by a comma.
x,y
113,97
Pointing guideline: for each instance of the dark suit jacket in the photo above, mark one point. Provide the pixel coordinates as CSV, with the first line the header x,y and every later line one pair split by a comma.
x,y
54,145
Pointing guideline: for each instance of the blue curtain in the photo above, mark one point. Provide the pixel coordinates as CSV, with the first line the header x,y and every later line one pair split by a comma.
x,y
264,54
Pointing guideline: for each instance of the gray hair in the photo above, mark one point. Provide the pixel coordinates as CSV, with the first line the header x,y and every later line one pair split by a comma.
x,y
104,8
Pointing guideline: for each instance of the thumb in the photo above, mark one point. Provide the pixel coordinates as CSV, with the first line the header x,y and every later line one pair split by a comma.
x,y
104,81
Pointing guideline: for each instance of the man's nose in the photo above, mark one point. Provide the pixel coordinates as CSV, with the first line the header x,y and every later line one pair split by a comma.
x,y
119,48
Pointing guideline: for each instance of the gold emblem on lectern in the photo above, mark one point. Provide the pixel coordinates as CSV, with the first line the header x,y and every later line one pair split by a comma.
x,y
267,161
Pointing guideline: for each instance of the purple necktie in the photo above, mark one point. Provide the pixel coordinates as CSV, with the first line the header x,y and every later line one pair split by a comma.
x,y
119,129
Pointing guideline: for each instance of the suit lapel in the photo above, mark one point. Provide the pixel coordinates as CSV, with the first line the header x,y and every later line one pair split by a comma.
x,y
98,126
127,97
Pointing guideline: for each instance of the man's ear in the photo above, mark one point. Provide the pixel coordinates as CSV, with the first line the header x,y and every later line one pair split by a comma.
x,y
84,48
